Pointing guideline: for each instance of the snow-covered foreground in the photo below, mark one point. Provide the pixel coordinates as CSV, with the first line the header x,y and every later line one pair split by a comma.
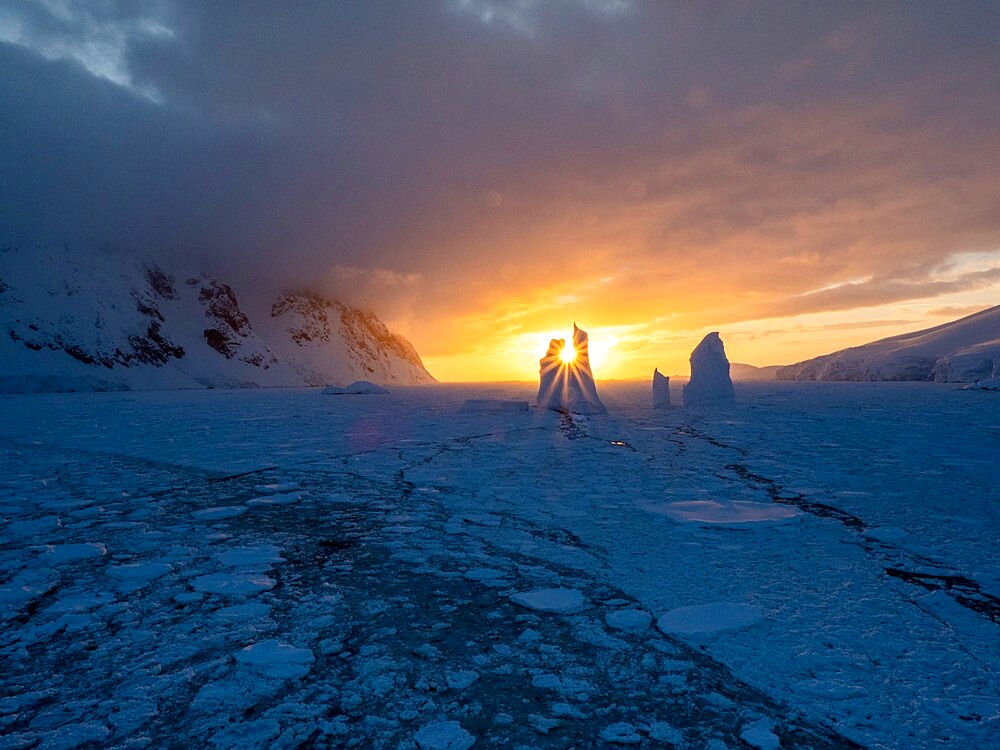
x,y
816,567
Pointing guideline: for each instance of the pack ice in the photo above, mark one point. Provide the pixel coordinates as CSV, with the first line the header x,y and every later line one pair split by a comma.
x,y
568,386
357,388
710,382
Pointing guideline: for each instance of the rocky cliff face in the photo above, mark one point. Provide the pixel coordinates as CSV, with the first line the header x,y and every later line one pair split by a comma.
x,y
72,324
323,329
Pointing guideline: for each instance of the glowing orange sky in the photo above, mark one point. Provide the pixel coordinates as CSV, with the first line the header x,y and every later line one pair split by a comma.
x,y
483,173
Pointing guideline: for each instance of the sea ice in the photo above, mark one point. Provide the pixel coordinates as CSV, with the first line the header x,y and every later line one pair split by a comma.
x,y
621,733
661,731
59,553
232,584
561,601
568,386
760,736
134,576
281,498
275,487
706,619
357,388
254,733
661,390
710,382
220,512
277,660
715,512
629,620
461,679
483,574
443,735
492,405
249,557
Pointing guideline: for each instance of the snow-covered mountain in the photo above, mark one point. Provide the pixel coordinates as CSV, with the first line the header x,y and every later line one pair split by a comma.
x,y
962,351
109,322
745,372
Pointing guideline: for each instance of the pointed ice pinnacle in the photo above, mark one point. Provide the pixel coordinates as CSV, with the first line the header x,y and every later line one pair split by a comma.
x,y
568,386
710,382
661,390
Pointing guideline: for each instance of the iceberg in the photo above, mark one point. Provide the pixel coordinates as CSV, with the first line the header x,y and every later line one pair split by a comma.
x,y
710,382
358,387
566,384
661,390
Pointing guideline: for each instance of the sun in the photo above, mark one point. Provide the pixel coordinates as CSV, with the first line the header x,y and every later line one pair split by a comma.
x,y
568,354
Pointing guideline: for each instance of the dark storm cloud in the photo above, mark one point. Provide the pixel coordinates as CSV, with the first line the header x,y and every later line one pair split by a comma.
x,y
797,144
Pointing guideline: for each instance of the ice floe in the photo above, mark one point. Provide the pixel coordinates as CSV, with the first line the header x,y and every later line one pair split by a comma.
x,y
560,601
629,620
134,576
233,584
759,735
219,513
706,619
277,660
281,498
730,512
443,735
250,557
60,553
621,733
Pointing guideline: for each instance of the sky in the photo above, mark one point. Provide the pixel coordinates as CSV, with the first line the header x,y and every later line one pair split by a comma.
x,y
484,173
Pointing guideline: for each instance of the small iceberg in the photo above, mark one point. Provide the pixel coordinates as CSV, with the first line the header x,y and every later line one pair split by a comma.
x,y
710,382
357,388
661,390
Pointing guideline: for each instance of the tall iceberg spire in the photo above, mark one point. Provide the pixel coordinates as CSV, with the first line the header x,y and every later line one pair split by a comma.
x,y
565,382
661,390
710,382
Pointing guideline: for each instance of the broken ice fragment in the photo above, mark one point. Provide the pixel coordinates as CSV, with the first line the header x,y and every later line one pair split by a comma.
x,y
629,620
443,735
277,660
233,584
560,601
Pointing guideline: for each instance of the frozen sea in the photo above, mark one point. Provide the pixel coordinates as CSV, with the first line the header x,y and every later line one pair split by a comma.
x,y
817,567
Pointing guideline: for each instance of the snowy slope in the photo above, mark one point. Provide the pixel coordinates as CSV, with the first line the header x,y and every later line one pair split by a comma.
x,y
742,372
110,323
963,351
